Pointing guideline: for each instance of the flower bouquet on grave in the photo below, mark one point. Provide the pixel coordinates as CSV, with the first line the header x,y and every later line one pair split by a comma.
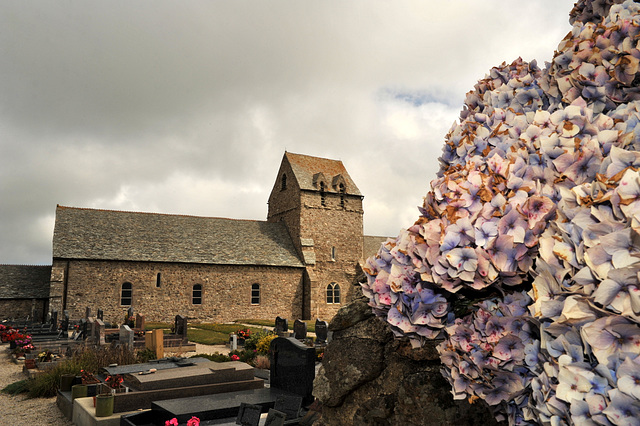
x,y
88,378
243,334
115,383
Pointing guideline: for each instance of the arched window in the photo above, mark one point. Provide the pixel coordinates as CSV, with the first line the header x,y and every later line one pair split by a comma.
x,y
333,293
255,294
196,297
126,294
342,191
283,182
323,198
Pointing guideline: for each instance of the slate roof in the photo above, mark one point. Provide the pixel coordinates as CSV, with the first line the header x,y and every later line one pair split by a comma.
x,y
117,235
305,167
24,281
372,245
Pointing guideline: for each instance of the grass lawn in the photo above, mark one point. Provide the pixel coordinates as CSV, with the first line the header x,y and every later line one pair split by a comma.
x,y
218,334
311,324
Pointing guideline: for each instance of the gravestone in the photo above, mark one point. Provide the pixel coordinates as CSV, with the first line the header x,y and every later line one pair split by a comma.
x,y
282,326
322,330
130,319
300,330
139,322
293,367
87,312
100,315
54,319
275,418
126,336
249,414
289,405
180,327
97,332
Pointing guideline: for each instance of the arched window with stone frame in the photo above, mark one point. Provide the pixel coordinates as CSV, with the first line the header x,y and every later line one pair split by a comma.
x,y
333,294
126,294
196,294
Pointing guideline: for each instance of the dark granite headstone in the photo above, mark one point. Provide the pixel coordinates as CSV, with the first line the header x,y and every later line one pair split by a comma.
x,y
129,312
322,330
181,326
300,330
98,332
293,367
100,315
54,319
84,329
282,326
290,405
249,414
275,418
87,312
64,327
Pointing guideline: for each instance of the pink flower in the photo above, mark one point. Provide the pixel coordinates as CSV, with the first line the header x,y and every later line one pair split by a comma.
x,y
194,421
235,358
172,422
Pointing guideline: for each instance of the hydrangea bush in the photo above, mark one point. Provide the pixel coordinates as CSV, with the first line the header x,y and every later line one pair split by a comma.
x,y
525,260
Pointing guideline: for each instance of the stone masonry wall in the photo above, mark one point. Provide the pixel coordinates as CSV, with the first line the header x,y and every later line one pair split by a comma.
x,y
21,309
226,290
332,226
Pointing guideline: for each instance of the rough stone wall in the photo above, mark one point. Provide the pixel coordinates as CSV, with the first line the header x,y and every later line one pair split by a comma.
x,y
21,309
285,204
226,290
332,225
369,378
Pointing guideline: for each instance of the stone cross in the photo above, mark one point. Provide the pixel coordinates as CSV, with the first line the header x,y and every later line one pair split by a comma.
x,y
322,330
282,326
126,336
300,329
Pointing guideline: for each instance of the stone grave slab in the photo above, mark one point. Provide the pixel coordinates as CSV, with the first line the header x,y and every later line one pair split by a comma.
x,y
206,407
201,374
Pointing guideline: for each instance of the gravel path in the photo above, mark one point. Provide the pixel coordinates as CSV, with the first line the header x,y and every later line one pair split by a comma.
x,y
22,411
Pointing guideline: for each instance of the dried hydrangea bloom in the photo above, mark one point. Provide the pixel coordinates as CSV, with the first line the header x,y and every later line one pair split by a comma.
x,y
539,187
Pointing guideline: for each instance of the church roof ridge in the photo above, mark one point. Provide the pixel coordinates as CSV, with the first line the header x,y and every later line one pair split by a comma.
x,y
304,168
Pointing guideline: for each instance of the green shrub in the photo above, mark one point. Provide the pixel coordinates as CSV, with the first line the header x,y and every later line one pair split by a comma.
x,y
265,343
145,355
252,342
215,357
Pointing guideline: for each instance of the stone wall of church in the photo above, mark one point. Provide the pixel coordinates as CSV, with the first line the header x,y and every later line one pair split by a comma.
x,y
160,291
336,229
21,309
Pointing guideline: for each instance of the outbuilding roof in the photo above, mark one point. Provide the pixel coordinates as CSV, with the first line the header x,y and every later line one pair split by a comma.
x,y
81,233
307,169
24,281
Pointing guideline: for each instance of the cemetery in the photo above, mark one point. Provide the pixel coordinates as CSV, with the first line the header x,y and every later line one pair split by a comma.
x,y
131,390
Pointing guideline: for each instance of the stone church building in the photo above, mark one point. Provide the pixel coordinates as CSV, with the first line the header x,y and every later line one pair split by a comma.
x,y
302,262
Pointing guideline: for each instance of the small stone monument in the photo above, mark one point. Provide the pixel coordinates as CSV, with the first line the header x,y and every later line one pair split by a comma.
x,y
87,312
139,322
126,336
180,327
98,333
100,315
282,326
322,330
300,330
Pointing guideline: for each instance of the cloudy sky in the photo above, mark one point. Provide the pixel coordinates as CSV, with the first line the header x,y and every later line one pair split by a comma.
x,y
188,107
